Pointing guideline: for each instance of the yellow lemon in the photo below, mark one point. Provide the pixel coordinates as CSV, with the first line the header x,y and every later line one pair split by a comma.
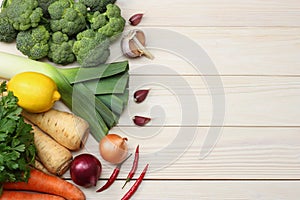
x,y
36,92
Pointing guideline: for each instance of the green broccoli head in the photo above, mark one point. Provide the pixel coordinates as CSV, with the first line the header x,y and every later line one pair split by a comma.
x,y
113,11
91,48
44,4
7,31
67,17
97,5
80,8
114,28
97,20
110,23
57,8
34,42
60,49
24,14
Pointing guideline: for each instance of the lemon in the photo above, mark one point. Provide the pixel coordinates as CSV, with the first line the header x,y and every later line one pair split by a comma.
x,y
36,92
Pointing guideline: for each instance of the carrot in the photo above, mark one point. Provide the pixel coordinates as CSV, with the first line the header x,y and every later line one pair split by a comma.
x,y
20,195
55,157
66,128
42,182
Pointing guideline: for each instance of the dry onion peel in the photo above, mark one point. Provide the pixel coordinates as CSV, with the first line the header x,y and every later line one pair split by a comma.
x,y
113,148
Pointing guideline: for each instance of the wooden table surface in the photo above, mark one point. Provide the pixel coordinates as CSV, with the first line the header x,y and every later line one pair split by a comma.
x,y
224,98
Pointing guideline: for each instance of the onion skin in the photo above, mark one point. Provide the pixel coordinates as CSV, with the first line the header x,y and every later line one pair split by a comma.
x,y
85,170
113,148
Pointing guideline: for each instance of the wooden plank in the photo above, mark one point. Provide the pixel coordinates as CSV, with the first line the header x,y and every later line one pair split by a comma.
x,y
239,153
216,190
249,101
232,50
214,12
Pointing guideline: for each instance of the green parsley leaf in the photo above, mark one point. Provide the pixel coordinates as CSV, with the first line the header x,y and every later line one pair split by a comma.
x,y
17,150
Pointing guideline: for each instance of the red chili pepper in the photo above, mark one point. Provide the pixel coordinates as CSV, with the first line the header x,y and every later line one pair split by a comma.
x,y
134,166
135,186
113,176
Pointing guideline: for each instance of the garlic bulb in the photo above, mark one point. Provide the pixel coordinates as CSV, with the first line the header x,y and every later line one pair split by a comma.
x,y
133,45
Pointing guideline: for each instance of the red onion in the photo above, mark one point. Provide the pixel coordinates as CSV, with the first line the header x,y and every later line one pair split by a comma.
x,y
85,170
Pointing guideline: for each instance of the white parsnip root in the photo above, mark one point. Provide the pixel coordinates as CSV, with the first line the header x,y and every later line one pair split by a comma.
x,y
55,157
38,165
66,128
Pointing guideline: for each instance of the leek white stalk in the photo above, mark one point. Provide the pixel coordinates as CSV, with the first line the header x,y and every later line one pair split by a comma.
x,y
12,64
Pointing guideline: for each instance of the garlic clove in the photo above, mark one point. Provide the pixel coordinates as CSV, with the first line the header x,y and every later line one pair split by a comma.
x,y
140,95
135,19
140,120
133,45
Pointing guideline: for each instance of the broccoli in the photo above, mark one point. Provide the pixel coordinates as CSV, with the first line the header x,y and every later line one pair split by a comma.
x,y
56,9
67,17
96,20
97,5
7,32
60,49
34,42
23,14
91,48
44,4
109,23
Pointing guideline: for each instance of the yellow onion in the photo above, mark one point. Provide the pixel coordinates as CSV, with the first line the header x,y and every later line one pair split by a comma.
x,y
113,148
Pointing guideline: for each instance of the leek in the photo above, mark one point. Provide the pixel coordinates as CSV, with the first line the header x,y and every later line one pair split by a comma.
x,y
110,85
80,88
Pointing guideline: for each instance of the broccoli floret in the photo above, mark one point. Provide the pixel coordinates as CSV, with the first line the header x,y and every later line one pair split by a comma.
x,y
97,5
34,42
56,9
109,23
91,48
60,51
96,20
44,4
113,28
116,22
68,17
24,14
7,32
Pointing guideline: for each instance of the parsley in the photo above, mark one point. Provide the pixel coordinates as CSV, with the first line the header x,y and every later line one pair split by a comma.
x,y
17,150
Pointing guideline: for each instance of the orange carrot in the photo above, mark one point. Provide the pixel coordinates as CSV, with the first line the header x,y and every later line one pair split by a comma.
x,y
18,195
42,182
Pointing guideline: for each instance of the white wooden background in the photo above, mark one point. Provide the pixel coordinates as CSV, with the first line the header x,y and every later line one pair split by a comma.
x,y
255,46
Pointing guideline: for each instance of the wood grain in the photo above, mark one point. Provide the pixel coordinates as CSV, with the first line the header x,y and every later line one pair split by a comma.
x,y
268,51
239,153
249,100
214,190
254,46
214,12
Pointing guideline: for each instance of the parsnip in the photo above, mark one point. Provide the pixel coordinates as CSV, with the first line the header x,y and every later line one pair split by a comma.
x,y
38,165
55,157
67,129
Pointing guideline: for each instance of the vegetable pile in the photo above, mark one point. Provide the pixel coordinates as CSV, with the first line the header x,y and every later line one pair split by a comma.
x,y
64,31
17,150
97,94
